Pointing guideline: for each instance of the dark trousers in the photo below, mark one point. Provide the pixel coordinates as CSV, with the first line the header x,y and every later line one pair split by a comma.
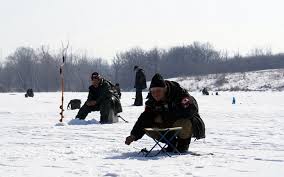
x,y
105,108
138,98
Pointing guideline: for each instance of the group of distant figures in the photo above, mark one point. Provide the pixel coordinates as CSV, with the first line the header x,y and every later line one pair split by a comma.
x,y
206,92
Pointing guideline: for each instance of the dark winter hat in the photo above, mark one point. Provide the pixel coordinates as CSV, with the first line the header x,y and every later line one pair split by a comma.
x,y
135,67
95,75
157,81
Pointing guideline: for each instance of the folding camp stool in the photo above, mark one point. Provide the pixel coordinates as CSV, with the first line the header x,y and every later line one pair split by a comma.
x,y
163,137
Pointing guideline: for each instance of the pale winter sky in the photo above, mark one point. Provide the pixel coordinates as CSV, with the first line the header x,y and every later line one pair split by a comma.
x,y
103,27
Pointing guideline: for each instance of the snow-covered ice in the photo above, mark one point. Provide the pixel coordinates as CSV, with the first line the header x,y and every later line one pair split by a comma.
x,y
245,139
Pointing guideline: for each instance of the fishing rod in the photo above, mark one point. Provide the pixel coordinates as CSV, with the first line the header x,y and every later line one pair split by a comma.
x,y
122,118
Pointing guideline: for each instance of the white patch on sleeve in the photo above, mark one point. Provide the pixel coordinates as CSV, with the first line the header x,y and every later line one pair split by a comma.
x,y
185,102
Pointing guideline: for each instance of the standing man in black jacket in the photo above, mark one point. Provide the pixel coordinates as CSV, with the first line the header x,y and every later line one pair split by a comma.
x,y
169,105
102,97
140,84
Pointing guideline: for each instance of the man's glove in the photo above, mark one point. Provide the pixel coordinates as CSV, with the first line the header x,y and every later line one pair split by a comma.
x,y
129,139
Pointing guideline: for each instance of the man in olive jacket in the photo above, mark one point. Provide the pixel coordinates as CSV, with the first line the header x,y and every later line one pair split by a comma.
x,y
102,97
169,105
140,84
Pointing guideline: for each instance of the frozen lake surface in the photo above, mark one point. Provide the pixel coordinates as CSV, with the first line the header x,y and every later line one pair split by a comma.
x,y
245,139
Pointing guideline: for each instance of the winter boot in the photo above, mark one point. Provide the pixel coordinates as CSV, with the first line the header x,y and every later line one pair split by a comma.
x,y
183,145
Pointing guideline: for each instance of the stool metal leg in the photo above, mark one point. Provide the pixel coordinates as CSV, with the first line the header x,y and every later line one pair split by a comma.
x,y
163,137
168,142
157,142
162,149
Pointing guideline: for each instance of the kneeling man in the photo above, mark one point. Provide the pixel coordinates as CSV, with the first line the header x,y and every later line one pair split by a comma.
x,y
102,97
169,105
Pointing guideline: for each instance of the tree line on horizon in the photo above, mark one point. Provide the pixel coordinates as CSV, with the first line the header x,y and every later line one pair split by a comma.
x,y
39,68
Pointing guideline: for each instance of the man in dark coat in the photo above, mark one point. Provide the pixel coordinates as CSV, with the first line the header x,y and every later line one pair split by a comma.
x,y
140,84
169,105
101,98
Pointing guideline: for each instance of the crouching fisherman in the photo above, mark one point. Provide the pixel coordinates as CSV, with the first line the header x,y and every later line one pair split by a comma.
x,y
169,105
101,98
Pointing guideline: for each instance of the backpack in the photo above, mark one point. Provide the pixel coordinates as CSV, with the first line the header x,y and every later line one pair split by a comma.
x,y
74,104
30,93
